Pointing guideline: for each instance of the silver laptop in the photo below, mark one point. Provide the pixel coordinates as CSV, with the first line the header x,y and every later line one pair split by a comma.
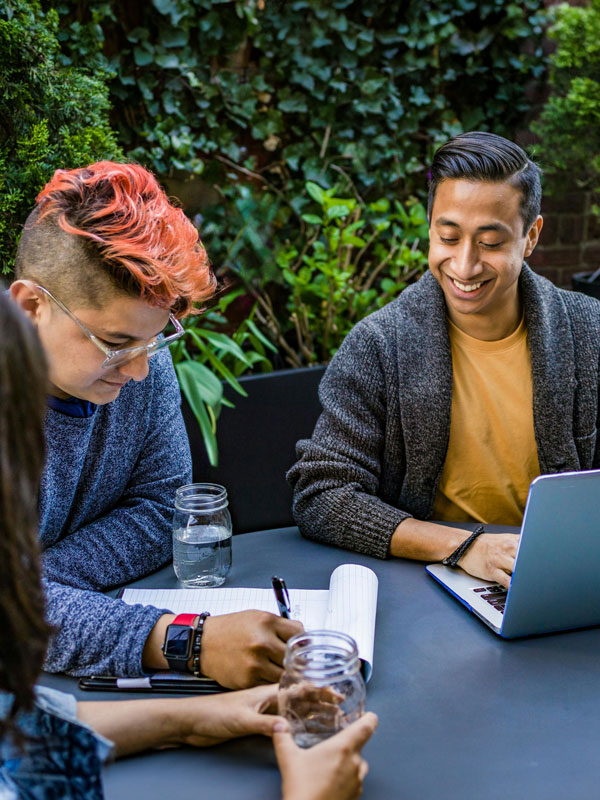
x,y
556,580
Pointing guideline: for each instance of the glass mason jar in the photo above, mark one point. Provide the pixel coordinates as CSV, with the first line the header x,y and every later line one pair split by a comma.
x,y
321,690
201,535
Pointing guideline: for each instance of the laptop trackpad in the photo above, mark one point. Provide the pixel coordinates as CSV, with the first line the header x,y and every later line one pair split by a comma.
x,y
484,598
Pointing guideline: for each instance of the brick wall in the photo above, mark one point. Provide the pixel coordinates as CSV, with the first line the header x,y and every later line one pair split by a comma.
x,y
570,238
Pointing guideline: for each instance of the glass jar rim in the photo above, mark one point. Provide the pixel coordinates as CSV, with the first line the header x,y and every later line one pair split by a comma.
x,y
342,647
201,497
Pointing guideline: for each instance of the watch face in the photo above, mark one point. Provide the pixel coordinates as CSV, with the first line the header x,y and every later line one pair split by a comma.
x,y
178,642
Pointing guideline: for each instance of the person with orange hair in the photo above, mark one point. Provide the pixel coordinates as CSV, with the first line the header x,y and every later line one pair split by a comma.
x,y
106,267
52,746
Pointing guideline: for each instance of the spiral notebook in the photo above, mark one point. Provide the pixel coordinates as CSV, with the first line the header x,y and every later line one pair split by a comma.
x,y
348,606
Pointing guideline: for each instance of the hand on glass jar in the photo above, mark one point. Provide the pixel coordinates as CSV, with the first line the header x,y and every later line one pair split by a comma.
x,y
321,690
332,769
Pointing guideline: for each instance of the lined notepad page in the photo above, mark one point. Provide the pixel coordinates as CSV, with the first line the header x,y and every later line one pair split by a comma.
x,y
352,606
348,606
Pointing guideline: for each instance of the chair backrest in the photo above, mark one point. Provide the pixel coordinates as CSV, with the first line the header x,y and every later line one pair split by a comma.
x,y
257,442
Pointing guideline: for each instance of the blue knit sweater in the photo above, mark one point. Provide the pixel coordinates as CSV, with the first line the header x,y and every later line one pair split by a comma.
x,y
106,505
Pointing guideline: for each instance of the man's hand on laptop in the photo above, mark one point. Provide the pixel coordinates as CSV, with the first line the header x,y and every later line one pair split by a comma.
x,y
492,557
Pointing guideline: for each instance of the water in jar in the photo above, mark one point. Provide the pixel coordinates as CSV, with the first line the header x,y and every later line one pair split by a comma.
x,y
202,554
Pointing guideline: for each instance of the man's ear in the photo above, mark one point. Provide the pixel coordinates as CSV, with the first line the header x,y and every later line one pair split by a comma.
x,y
533,234
29,299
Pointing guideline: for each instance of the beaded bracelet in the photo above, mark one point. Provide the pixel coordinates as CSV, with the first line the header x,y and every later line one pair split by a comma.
x,y
197,645
453,559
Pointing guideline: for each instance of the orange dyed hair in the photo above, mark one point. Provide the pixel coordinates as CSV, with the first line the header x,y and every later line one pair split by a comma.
x,y
140,236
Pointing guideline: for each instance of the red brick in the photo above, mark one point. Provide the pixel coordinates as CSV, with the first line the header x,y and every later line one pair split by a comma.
x,y
569,202
560,256
593,227
568,272
591,255
537,259
552,274
549,234
570,229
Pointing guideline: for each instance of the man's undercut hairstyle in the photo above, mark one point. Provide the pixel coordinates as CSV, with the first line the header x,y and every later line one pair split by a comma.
x,y
483,156
112,226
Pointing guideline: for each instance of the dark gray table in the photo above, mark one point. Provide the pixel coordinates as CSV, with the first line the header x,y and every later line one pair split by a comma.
x,y
463,713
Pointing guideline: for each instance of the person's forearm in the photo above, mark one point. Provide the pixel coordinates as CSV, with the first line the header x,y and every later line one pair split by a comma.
x,y
95,634
134,725
425,541
152,656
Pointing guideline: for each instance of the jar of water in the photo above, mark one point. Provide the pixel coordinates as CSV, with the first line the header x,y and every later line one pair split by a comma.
x,y
201,535
321,690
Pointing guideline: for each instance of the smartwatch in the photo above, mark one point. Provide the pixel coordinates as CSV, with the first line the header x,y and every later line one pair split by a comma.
x,y
179,642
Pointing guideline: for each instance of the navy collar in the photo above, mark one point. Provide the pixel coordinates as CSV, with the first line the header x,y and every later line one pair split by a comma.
x,y
72,406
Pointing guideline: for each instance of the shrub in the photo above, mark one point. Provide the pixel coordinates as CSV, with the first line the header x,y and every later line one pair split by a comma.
x,y
354,258
274,94
569,126
51,116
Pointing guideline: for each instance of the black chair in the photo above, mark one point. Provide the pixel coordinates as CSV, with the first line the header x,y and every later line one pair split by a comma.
x,y
257,442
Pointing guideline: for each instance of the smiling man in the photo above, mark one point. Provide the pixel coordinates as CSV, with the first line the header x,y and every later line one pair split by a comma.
x,y
105,268
446,403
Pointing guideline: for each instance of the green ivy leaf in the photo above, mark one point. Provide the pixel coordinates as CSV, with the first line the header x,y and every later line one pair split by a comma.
x,y
294,103
142,57
167,60
335,212
312,219
315,192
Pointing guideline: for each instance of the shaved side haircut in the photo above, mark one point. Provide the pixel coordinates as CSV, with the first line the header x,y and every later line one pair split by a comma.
x,y
110,228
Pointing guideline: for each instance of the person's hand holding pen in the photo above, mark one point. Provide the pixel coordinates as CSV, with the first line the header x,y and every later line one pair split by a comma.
x,y
238,650
245,648
265,657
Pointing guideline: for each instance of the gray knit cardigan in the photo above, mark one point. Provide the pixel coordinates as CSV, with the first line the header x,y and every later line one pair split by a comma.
x,y
378,449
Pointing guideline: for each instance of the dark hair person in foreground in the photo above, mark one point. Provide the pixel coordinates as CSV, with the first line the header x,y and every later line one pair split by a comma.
x,y
106,264
446,403
50,745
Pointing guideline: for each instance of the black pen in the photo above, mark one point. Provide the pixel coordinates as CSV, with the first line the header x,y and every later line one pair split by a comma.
x,y
282,596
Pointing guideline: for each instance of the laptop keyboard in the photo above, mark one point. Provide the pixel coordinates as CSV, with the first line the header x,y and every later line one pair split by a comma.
x,y
494,595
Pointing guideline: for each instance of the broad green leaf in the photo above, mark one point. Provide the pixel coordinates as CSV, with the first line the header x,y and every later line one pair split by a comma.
x,y
315,192
312,219
226,373
335,212
202,381
142,57
260,336
224,343
190,388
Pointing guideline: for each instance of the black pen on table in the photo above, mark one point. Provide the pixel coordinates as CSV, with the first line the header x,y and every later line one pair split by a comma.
x,y
282,596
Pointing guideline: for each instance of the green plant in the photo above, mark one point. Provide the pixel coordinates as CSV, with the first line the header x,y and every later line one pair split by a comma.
x,y
207,356
569,126
355,258
272,95
51,115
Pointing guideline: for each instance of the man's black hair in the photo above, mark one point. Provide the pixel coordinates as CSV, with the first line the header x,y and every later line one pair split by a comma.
x,y
483,156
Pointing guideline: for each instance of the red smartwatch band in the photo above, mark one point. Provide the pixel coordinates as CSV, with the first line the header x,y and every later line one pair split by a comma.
x,y
184,619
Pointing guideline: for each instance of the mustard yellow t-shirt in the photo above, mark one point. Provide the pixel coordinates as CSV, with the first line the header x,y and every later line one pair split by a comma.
x,y
492,454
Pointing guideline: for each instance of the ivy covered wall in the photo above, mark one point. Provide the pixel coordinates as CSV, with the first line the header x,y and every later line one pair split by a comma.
x,y
257,97
51,115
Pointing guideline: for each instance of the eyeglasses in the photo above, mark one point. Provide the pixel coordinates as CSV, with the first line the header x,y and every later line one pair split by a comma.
x,y
115,358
